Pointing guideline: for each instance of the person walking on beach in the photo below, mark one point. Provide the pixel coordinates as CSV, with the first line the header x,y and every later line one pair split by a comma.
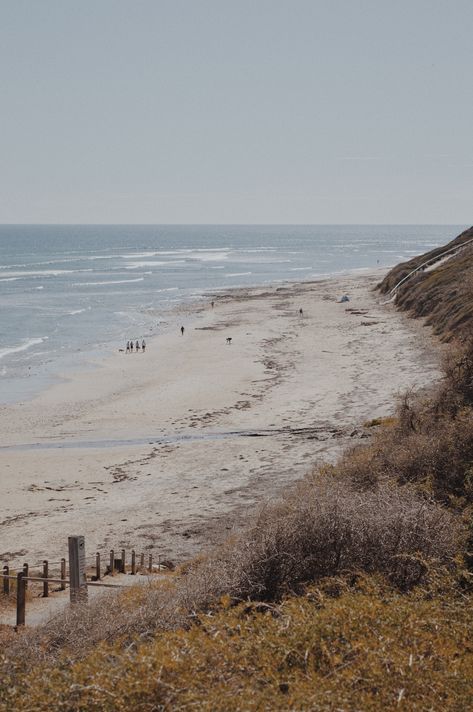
x,y
137,345
131,346
182,331
301,312
212,304
128,347
143,345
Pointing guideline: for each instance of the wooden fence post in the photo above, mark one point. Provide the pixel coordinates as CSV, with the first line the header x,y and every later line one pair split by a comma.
x,y
112,562
26,568
133,562
142,562
45,576
6,581
20,598
77,574
97,566
150,563
63,574
123,565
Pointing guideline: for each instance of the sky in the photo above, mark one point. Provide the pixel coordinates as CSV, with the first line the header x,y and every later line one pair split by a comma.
x,y
236,111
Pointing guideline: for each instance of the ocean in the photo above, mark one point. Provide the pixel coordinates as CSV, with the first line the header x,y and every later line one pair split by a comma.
x,y
71,294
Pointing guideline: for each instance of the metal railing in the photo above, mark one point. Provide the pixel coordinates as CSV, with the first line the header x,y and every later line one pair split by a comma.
x,y
427,263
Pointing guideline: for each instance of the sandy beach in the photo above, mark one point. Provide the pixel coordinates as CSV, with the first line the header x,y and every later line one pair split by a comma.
x,y
171,449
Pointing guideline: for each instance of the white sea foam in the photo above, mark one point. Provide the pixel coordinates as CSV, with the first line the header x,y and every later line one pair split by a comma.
x,y
27,344
9,279
139,265
138,255
300,269
111,281
43,273
237,274
77,311
208,256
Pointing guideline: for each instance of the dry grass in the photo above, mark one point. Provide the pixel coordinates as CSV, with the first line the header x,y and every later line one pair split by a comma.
x,y
326,527
358,647
431,442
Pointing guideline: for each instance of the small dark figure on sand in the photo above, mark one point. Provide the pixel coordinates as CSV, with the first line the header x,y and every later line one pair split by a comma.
x,y
137,345
212,304
229,340
131,346
182,331
301,312
128,347
143,345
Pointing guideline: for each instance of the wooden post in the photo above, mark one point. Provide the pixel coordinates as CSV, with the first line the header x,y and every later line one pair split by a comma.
x,y
133,562
150,563
6,581
123,565
63,574
26,568
77,575
97,566
20,598
112,562
45,576
142,562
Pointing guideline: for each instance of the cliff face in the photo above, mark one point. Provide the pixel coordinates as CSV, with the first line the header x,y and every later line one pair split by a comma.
x,y
443,293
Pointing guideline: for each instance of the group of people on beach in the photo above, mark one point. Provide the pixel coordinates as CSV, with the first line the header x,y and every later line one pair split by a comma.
x,y
135,346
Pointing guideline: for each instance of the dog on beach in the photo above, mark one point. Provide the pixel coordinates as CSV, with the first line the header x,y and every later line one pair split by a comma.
x,y
229,340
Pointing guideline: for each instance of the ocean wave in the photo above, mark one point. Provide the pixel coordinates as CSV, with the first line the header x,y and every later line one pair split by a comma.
x,y
77,311
300,269
112,281
139,265
237,274
43,273
208,256
28,343
9,279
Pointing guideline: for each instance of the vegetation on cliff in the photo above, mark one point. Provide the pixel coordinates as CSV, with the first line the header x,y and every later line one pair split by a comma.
x,y
443,292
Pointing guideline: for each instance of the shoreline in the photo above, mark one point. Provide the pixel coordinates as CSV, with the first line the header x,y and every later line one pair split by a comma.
x,y
202,433
188,308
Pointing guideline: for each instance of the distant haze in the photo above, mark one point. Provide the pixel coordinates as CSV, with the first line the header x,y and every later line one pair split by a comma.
x,y
236,111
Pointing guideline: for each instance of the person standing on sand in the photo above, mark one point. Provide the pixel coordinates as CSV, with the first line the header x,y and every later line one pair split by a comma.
x,y
131,346
182,331
128,347
143,345
301,312
137,345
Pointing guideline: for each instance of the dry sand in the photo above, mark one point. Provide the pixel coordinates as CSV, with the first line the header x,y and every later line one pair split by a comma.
x,y
168,450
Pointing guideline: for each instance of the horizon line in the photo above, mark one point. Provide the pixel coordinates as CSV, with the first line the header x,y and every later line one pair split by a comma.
x,y
223,224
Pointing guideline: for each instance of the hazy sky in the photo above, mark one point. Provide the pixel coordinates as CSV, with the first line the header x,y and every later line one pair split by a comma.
x,y
236,111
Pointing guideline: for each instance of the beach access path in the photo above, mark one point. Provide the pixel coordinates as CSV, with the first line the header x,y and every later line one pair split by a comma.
x,y
172,449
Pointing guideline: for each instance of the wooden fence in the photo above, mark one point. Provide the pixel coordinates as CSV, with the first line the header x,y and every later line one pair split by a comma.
x,y
80,573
